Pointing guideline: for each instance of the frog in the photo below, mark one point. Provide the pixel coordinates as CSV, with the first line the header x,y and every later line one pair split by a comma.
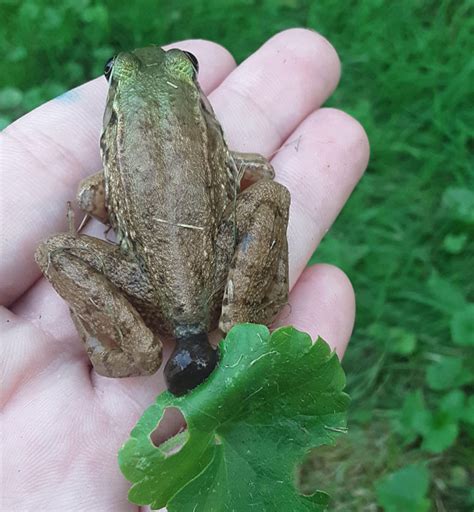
x,y
200,230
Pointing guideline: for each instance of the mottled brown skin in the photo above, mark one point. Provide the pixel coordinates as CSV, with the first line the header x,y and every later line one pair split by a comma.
x,y
194,251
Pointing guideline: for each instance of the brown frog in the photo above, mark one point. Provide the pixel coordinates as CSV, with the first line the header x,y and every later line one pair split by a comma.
x,y
194,251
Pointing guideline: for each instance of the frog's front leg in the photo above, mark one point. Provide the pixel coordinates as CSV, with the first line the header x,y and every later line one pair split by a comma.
x,y
257,282
82,270
91,197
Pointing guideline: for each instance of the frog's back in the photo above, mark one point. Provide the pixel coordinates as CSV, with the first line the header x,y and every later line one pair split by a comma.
x,y
167,193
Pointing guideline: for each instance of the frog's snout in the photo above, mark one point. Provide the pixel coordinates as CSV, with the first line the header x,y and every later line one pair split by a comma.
x,y
190,364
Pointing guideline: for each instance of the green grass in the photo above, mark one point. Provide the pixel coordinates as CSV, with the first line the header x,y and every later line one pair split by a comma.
x,y
406,236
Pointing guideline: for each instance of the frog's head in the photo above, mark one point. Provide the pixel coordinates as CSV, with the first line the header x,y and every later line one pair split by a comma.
x,y
138,77
152,62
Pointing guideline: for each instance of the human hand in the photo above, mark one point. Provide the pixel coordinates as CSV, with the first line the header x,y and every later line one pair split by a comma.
x,y
63,423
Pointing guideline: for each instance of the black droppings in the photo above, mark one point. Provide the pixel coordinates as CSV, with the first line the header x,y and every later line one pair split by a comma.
x,y
190,364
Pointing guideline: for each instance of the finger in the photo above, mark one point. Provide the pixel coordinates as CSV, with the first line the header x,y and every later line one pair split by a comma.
x,y
269,94
44,155
320,164
322,303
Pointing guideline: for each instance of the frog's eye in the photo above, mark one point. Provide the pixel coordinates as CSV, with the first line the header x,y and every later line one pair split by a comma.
x,y
108,67
193,60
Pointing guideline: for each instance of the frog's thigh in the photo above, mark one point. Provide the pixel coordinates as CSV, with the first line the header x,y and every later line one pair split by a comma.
x,y
257,283
251,168
117,340
91,196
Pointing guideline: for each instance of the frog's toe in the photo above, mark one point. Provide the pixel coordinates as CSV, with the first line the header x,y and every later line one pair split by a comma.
x,y
190,364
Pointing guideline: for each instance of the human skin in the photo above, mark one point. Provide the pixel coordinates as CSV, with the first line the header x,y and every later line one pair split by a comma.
x,y
62,423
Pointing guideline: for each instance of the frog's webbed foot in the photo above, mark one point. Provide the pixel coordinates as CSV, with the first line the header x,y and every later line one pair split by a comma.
x,y
91,197
118,342
257,283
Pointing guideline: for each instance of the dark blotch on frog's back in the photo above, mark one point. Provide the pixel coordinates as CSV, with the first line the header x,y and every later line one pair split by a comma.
x,y
190,364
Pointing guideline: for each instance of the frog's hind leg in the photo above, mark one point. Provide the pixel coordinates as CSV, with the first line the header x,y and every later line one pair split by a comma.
x,y
257,283
250,168
118,342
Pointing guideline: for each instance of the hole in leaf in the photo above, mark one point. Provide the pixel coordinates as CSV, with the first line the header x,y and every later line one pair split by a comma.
x,y
170,434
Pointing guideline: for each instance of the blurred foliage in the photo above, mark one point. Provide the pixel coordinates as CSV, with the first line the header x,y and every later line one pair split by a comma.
x,y
404,490
405,238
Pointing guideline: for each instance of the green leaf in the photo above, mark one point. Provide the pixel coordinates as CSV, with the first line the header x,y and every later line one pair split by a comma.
x,y
271,399
401,341
454,244
459,203
439,429
468,415
441,433
413,417
445,373
453,404
462,326
447,296
404,490
396,339
10,97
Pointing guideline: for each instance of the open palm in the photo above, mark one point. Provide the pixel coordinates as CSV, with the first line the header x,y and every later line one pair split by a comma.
x,y
63,423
